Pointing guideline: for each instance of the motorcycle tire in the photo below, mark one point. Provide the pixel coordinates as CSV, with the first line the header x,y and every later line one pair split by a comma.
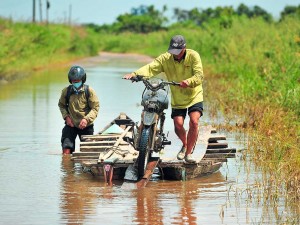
x,y
144,150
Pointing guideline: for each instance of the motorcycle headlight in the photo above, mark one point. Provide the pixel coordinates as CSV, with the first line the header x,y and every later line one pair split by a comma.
x,y
155,82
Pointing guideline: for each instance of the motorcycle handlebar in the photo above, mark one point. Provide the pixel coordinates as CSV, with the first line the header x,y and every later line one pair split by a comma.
x,y
138,78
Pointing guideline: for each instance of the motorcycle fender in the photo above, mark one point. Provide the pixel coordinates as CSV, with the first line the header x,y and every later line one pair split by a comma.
x,y
149,118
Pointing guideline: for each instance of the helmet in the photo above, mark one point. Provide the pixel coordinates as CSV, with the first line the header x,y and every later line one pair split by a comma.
x,y
76,73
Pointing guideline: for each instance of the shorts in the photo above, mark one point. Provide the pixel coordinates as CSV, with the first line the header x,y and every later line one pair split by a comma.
x,y
182,112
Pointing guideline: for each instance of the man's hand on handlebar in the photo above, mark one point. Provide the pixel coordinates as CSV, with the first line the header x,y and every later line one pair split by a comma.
x,y
184,84
136,78
132,77
128,76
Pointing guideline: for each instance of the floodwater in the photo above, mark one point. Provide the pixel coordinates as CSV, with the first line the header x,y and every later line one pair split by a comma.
x,y
40,186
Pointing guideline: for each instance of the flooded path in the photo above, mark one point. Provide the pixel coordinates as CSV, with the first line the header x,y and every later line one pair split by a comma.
x,y
40,186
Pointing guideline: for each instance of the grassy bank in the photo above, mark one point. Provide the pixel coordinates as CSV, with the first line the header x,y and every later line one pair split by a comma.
x,y
26,47
251,68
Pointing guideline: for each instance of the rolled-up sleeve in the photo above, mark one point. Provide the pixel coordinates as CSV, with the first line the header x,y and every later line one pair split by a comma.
x,y
197,68
94,105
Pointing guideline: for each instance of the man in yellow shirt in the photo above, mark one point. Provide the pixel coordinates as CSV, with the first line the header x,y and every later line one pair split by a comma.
x,y
184,66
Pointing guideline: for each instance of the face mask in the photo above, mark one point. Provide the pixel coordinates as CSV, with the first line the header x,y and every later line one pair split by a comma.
x,y
77,85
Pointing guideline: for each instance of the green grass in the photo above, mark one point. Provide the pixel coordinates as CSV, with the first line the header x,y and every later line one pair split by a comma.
x,y
26,46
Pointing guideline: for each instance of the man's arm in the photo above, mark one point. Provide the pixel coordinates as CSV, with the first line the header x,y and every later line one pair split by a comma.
x,y
94,104
62,104
197,68
149,70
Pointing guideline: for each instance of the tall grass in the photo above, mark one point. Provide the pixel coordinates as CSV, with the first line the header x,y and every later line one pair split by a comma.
x,y
255,68
26,46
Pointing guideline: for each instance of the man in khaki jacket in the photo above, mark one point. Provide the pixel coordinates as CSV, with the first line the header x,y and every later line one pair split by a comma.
x,y
79,106
184,66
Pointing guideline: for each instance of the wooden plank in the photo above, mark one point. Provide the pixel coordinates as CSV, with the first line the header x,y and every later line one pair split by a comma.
x,y
216,138
94,162
86,157
79,154
220,155
119,163
111,151
215,160
222,150
99,136
97,143
94,148
217,145
202,142
106,143
110,160
180,163
148,173
122,117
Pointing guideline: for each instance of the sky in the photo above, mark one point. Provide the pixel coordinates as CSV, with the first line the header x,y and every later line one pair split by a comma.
x,y
105,12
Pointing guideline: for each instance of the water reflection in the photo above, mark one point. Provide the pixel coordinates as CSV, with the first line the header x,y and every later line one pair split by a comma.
x,y
173,202
86,199
148,211
77,195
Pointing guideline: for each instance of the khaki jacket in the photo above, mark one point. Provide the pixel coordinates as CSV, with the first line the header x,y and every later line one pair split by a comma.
x,y
190,68
79,108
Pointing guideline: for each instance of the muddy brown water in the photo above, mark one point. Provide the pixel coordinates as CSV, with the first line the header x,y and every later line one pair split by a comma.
x,y
40,186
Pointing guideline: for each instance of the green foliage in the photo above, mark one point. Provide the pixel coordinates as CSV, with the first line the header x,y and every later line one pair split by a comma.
x,y
221,15
150,44
263,64
144,19
25,46
291,11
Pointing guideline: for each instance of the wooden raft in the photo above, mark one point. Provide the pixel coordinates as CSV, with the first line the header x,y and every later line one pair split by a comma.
x,y
210,153
101,153
105,153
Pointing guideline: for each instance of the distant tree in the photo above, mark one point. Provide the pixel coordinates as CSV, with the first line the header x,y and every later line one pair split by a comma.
x,y
143,19
259,12
180,15
256,11
290,11
222,14
243,10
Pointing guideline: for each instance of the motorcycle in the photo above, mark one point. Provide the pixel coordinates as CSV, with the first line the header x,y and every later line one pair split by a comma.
x,y
150,136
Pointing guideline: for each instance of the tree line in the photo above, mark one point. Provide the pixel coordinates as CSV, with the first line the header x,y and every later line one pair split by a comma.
x,y
145,19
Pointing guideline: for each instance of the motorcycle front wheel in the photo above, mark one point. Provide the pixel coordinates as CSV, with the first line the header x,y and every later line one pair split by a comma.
x,y
144,150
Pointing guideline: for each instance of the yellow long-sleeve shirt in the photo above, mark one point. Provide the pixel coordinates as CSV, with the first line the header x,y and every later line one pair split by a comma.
x,y
189,68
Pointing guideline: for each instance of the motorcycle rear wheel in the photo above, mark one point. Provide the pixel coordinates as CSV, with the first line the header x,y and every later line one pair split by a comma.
x,y
144,150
